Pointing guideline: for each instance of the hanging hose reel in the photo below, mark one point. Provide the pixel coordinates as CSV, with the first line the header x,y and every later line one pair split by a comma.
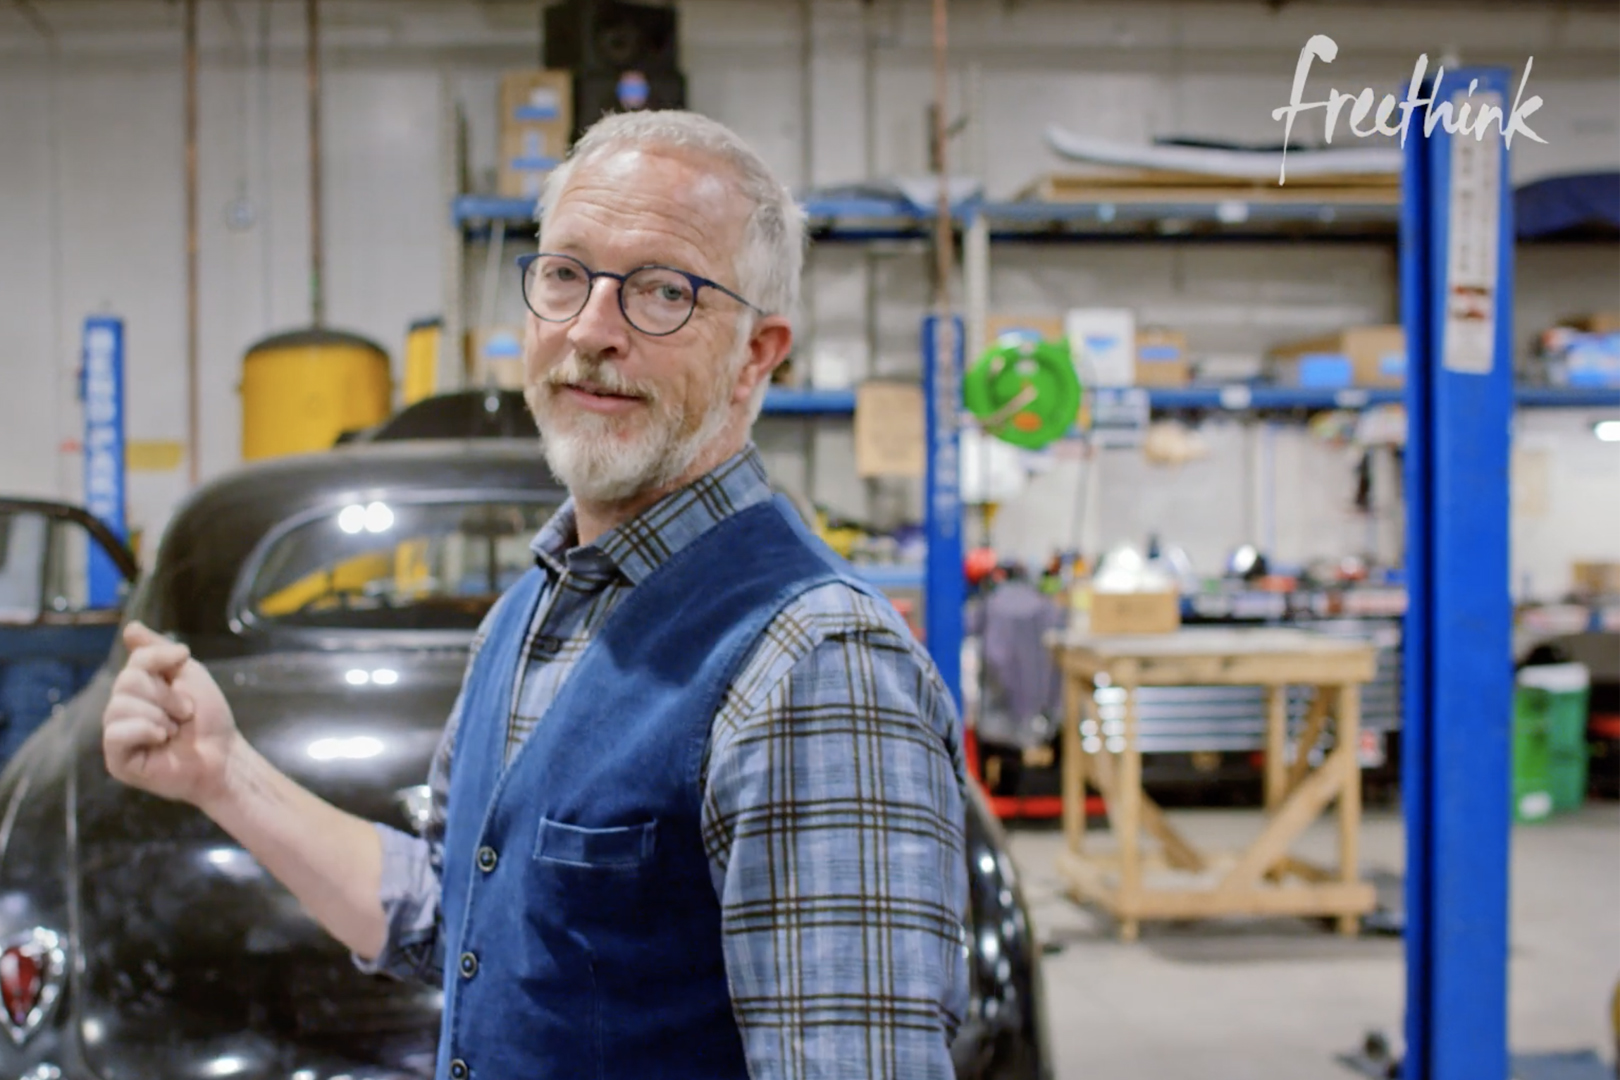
x,y
1024,392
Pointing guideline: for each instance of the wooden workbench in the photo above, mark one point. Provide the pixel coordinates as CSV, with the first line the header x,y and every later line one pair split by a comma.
x,y
1188,884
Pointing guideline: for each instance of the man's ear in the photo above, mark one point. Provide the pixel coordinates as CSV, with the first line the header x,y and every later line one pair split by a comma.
x,y
768,345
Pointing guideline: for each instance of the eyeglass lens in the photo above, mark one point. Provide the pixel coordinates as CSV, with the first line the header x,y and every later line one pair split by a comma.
x,y
655,300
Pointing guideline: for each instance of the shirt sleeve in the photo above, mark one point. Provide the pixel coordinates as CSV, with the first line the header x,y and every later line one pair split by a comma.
x,y
412,869
833,815
413,866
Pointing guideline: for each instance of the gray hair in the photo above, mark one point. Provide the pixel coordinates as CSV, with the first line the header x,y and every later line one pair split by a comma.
x,y
771,259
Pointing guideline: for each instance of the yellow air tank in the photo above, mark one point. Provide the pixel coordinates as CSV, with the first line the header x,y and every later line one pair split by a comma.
x,y
301,390
422,360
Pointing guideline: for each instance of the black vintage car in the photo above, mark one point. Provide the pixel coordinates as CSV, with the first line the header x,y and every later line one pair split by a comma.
x,y
333,598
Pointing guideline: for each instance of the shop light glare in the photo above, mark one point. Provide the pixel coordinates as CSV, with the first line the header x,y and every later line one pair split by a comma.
x,y
1607,430
379,518
358,748
353,519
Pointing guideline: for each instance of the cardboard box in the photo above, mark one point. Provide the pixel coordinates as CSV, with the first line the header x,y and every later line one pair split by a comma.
x,y
537,97
1103,344
1599,322
537,115
1002,325
1161,358
528,155
1594,579
1135,613
1357,356
890,430
495,355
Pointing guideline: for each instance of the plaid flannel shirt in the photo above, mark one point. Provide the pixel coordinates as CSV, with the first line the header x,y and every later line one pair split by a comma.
x,y
832,807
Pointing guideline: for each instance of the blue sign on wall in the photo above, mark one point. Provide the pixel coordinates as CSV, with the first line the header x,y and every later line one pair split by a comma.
x,y
102,390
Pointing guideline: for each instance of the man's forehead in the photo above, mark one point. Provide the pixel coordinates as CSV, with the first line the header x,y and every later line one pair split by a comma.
x,y
677,193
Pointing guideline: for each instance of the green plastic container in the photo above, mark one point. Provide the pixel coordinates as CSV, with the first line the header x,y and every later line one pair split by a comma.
x,y
1549,740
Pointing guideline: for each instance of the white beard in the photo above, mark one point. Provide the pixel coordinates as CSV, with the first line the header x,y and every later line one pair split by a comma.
x,y
608,459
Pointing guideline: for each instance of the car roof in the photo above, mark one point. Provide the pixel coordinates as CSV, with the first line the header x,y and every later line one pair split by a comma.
x,y
492,413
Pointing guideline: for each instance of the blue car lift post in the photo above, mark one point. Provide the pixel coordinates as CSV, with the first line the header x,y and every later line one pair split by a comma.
x,y
1457,307
1458,638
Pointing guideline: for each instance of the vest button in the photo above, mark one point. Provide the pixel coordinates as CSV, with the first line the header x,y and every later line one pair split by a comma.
x,y
486,859
459,1070
469,965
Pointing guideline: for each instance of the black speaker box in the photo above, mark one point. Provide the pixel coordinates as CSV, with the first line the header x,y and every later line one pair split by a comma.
x,y
595,96
601,37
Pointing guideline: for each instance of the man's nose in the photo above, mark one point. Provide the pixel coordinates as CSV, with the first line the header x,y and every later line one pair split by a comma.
x,y
600,329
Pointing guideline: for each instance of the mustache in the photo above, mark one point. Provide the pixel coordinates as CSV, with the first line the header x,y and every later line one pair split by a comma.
x,y
597,376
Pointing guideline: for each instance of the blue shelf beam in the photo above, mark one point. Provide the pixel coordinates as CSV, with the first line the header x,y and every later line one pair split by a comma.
x,y
857,219
860,219
1572,397
898,576
1233,398
788,402
466,210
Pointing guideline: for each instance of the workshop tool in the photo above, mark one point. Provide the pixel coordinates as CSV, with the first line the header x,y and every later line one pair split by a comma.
x,y
1024,392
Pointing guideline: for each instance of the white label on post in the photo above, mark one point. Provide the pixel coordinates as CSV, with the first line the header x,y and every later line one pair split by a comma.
x,y
1472,243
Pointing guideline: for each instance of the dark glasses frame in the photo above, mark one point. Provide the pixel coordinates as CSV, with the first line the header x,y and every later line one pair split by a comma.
x,y
697,281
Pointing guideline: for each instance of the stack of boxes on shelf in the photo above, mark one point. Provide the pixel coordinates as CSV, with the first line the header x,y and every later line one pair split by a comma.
x,y
1581,351
534,127
537,117
1108,346
1356,356
1111,349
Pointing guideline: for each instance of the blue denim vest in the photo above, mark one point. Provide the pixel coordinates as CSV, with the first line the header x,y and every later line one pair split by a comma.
x,y
580,924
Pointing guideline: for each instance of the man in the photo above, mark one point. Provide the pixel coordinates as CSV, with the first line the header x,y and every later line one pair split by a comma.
x,y
698,808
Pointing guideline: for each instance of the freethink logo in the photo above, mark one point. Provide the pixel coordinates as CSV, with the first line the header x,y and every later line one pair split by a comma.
x,y
1457,116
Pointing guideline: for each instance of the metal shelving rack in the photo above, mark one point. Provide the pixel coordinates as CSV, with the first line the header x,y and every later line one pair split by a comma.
x,y
864,219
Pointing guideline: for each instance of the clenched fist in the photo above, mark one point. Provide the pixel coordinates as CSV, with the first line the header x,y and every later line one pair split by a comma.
x,y
167,728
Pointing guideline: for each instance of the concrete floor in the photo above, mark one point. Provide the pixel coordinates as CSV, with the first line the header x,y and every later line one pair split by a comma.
x,y
1276,999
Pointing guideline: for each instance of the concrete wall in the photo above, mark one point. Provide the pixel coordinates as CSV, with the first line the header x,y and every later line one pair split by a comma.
x,y
91,212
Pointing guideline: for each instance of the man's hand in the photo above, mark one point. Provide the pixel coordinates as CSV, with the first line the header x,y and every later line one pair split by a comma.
x,y
167,728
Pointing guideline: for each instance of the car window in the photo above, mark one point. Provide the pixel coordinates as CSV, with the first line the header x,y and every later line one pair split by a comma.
x,y
44,570
384,564
24,538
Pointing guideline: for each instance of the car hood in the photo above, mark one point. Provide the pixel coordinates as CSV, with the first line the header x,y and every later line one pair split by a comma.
x,y
194,961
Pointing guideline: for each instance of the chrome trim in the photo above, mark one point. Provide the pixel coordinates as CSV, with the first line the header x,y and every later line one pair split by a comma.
x,y
45,948
12,809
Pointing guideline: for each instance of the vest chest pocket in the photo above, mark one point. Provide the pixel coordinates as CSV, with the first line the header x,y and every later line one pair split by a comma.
x,y
619,847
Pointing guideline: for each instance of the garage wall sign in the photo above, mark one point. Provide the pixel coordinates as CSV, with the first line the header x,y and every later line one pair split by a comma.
x,y
102,390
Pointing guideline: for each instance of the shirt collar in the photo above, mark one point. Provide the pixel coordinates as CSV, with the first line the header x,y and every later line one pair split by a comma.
x,y
644,543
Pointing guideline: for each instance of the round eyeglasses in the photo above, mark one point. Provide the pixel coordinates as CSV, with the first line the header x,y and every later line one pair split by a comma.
x,y
656,300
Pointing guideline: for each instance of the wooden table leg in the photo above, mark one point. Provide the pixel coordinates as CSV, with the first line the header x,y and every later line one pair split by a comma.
x,y
1075,691
1349,719
1276,744
1130,815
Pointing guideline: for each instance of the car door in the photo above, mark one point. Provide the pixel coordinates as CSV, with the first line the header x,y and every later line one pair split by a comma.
x,y
53,632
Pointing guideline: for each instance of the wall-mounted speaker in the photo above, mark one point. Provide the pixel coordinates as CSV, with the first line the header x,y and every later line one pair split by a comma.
x,y
624,56
602,36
